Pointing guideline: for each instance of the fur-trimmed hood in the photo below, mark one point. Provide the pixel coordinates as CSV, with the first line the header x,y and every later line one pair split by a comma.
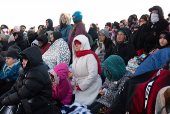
x,y
67,17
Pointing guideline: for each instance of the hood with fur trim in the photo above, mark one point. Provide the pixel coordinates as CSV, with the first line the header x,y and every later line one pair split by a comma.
x,y
67,17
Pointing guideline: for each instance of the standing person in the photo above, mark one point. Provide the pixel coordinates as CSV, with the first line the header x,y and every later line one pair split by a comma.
x,y
116,75
86,82
33,82
108,26
48,28
123,47
115,27
77,29
93,32
58,52
65,26
10,71
43,43
132,23
143,19
156,24
123,23
22,29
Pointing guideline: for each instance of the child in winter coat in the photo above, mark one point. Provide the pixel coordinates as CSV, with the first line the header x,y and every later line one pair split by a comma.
x,y
62,89
116,75
10,71
43,43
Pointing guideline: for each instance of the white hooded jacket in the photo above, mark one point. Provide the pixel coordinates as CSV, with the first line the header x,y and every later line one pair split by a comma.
x,y
85,74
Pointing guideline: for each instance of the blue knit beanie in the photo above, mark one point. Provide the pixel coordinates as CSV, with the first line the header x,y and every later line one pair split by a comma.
x,y
114,68
78,15
121,30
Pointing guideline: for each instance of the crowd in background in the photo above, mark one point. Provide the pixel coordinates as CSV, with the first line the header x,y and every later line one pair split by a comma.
x,y
121,68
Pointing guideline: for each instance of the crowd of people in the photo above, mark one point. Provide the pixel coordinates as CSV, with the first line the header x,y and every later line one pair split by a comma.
x,y
122,68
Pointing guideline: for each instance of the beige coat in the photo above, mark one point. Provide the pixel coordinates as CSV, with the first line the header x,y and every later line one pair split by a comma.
x,y
85,74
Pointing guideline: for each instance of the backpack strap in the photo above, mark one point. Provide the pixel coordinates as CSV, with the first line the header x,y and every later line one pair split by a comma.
x,y
148,89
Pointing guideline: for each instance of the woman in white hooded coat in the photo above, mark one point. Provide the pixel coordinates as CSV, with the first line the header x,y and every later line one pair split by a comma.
x,y
86,69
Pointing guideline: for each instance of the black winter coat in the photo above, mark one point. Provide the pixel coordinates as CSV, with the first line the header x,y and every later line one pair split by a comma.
x,y
93,33
150,39
33,80
138,38
151,31
125,49
19,42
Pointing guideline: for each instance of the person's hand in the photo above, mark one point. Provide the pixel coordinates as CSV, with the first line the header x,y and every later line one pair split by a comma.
x,y
0,38
101,92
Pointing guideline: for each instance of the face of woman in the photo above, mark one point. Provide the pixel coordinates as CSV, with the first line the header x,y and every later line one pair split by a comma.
x,y
120,37
77,47
163,41
63,20
101,37
24,63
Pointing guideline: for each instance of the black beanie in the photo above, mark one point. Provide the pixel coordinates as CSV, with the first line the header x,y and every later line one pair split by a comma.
x,y
166,36
132,17
108,24
57,35
116,25
12,53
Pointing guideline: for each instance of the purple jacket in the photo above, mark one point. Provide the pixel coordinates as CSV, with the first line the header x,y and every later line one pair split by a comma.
x,y
63,91
80,29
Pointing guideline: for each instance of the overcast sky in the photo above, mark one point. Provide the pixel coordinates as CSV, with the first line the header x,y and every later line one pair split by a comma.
x,y
35,12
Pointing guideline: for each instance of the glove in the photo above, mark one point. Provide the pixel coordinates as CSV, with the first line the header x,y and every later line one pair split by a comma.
x,y
78,88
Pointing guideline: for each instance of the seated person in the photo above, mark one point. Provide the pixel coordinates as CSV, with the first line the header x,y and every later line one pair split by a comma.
x,y
43,43
62,89
57,53
123,47
19,41
116,75
10,71
163,41
33,83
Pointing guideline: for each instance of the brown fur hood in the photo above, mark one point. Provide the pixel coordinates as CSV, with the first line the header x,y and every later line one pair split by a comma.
x,y
67,18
